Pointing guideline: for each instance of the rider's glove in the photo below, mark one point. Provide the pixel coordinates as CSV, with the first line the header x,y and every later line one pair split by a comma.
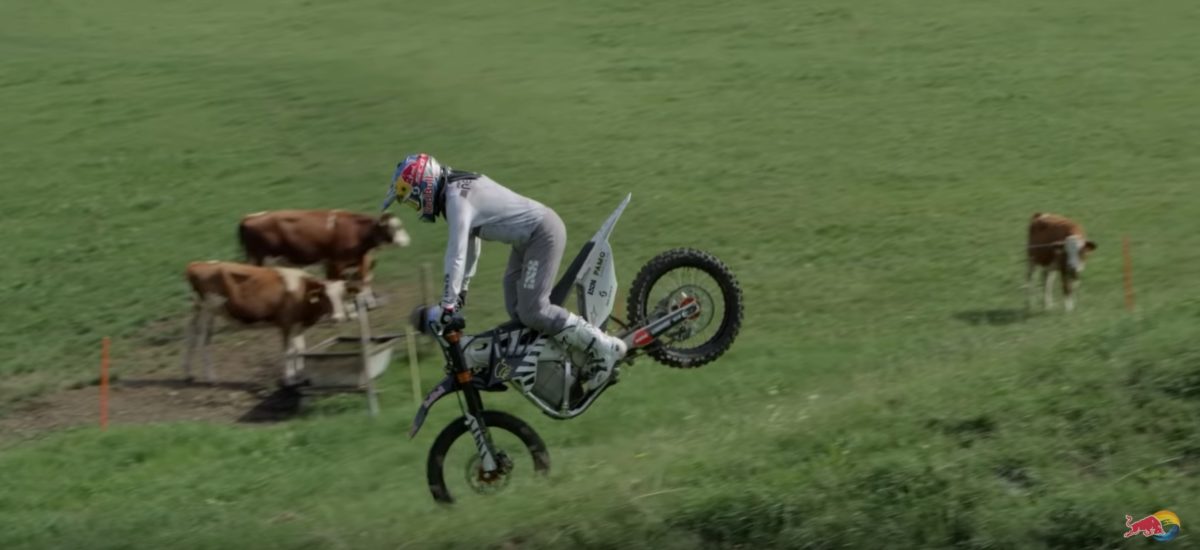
x,y
462,300
446,319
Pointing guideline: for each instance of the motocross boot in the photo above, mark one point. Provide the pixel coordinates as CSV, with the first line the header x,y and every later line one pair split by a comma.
x,y
603,351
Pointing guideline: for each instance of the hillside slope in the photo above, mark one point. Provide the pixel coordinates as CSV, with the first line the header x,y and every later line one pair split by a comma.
x,y
866,170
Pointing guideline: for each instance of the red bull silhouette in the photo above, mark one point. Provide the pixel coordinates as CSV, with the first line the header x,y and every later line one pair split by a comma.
x,y
1148,526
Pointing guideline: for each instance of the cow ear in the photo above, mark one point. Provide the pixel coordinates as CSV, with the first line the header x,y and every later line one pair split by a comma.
x,y
1089,246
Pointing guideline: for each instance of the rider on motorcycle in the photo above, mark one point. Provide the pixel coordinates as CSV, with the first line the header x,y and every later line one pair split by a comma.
x,y
476,207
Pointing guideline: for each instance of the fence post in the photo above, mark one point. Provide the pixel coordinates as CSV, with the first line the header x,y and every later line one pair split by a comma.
x,y
364,339
414,369
426,277
1128,264
104,344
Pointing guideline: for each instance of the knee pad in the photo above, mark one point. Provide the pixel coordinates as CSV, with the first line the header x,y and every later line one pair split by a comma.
x,y
541,320
532,319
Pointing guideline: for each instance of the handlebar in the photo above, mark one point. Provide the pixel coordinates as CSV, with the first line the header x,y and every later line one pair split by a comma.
x,y
421,318
457,323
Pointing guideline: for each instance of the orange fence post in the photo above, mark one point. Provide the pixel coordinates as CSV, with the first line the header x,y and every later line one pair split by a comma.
x,y
1129,303
104,383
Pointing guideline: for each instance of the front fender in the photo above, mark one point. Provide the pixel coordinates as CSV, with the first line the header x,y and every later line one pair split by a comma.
x,y
447,386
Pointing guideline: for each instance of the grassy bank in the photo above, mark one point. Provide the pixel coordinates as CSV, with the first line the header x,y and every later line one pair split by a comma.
x,y
866,170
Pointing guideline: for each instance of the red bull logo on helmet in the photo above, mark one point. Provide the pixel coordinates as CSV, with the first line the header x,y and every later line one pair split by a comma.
x,y
421,172
1162,526
414,169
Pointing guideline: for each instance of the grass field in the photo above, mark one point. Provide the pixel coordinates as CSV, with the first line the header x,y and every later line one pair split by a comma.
x,y
866,168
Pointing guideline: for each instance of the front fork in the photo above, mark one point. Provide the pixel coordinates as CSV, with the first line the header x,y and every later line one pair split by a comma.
x,y
473,413
472,406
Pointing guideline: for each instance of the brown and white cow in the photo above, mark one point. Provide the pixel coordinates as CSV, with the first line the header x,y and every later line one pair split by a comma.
x,y
287,298
341,240
1056,245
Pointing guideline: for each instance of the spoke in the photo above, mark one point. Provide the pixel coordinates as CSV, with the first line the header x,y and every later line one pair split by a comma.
x,y
700,285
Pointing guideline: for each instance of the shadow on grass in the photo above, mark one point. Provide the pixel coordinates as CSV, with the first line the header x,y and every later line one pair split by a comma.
x,y
282,405
279,406
993,317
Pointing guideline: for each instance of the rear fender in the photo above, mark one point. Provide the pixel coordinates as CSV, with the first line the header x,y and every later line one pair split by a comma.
x,y
446,387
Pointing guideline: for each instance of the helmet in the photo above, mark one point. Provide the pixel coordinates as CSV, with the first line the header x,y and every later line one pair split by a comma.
x,y
416,183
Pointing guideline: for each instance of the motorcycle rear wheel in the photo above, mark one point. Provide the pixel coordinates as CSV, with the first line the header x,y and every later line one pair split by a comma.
x,y
494,420
688,274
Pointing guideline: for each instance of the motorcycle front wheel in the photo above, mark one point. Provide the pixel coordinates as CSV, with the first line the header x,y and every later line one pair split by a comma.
x,y
674,279
510,437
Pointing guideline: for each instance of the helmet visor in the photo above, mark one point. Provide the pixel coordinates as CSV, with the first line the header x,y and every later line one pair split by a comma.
x,y
403,191
406,194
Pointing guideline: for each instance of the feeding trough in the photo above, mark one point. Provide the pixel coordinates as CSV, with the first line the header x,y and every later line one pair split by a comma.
x,y
342,363
349,363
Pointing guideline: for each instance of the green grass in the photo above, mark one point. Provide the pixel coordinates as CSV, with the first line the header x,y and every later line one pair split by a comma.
x,y
865,168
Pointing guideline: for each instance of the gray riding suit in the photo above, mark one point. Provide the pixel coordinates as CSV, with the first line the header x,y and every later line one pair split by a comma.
x,y
481,209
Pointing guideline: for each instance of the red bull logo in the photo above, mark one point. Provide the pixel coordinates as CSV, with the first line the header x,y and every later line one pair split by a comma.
x,y
1162,526
414,172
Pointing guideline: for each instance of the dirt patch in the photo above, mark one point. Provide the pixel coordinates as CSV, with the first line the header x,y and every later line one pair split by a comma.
x,y
148,383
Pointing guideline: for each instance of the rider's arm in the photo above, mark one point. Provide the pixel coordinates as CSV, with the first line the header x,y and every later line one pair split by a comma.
x,y
472,260
459,214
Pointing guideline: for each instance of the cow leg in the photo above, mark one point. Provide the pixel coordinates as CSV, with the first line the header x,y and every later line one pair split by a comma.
x,y
364,273
335,270
292,362
1048,288
298,347
364,268
1069,285
288,374
201,339
287,360
210,321
1030,288
193,327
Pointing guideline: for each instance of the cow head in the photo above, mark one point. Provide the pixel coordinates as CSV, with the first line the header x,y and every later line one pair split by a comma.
x,y
1077,248
389,229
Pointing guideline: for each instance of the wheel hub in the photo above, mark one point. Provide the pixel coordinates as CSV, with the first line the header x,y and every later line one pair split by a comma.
x,y
485,482
685,296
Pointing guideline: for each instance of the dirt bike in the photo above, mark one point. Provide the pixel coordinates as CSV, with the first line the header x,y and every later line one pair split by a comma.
x,y
684,309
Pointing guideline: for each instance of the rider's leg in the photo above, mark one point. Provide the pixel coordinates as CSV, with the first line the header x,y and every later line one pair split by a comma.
x,y
541,258
538,267
512,279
